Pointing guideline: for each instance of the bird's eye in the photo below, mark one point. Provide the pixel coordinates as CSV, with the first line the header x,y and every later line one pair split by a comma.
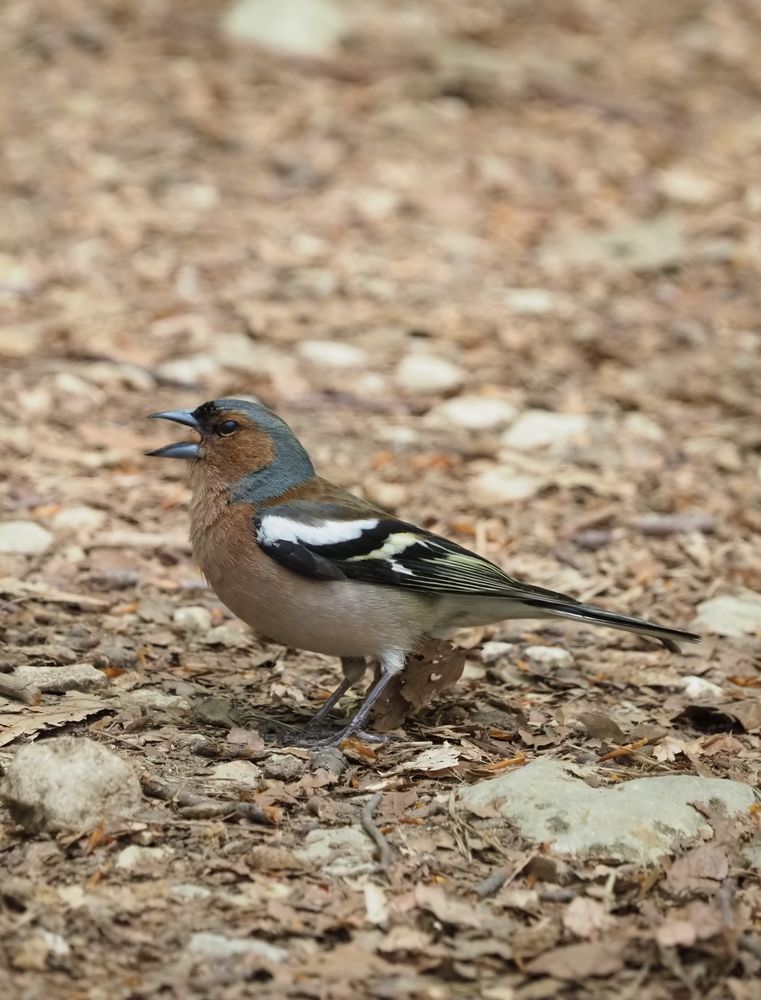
x,y
227,427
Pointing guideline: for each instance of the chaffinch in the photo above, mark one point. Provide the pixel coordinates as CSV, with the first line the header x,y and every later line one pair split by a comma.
x,y
313,567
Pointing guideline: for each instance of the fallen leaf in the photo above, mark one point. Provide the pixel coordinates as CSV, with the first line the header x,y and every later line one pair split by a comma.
x,y
586,917
702,864
602,727
446,908
436,759
72,708
577,961
434,668
246,737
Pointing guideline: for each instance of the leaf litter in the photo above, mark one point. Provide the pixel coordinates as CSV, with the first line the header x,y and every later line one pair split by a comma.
x,y
447,190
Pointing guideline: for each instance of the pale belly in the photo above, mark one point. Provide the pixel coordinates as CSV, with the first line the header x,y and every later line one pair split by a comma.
x,y
336,618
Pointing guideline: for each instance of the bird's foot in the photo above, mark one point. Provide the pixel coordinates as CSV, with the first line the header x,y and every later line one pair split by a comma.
x,y
315,738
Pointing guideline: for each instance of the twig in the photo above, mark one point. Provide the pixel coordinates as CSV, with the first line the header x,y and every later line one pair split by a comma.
x,y
194,806
490,885
372,831
12,687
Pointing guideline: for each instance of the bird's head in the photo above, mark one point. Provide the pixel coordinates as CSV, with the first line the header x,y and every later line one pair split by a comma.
x,y
243,447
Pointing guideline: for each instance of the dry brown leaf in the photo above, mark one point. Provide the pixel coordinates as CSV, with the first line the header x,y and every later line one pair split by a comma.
x,y
433,669
446,908
697,869
577,961
71,708
586,917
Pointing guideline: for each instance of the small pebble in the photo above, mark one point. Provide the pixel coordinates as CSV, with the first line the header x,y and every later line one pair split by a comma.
x,y
24,538
241,772
545,429
500,485
332,354
78,519
135,856
475,413
56,680
193,619
492,652
548,656
207,945
426,373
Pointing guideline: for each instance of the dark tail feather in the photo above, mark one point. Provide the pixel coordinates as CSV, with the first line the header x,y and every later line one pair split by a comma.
x,y
670,637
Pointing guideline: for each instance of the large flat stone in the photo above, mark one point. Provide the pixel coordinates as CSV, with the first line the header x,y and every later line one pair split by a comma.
x,y
641,820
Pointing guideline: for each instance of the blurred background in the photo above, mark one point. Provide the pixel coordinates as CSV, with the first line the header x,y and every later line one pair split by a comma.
x,y
496,262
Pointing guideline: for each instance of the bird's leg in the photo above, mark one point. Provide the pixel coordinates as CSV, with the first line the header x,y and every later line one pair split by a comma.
x,y
391,663
353,669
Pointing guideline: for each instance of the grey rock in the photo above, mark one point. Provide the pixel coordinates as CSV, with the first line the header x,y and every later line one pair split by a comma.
x,y
309,28
737,614
545,429
68,783
639,820
74,677
474,413
208,945
502,485
634,245
494,651
427,373
24,538
136,858
192,619
78,520
340,851
332,354
536,302
240,772
548,656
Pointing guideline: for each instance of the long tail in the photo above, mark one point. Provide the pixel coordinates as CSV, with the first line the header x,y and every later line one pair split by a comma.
x,y
670,637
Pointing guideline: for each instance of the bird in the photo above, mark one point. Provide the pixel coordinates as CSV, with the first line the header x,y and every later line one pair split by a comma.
x,y
307,564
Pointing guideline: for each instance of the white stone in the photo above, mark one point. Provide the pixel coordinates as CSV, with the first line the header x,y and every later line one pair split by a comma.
x,y
332,354
79,519
639,245
209,945
502,485
68,783
135,856
69,384
193,618
640,820
548,656
427,373
545,429
24,537
734,615
641,426
699,689
685,185
186,891
56,680
310,28
338,851
535,301
241,772
188,371
474,413
492,652
226,635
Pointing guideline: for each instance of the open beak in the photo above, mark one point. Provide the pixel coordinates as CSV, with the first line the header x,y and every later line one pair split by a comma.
x,y
181,449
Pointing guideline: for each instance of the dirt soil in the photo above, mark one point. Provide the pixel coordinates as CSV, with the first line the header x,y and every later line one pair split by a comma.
x,y
562,202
